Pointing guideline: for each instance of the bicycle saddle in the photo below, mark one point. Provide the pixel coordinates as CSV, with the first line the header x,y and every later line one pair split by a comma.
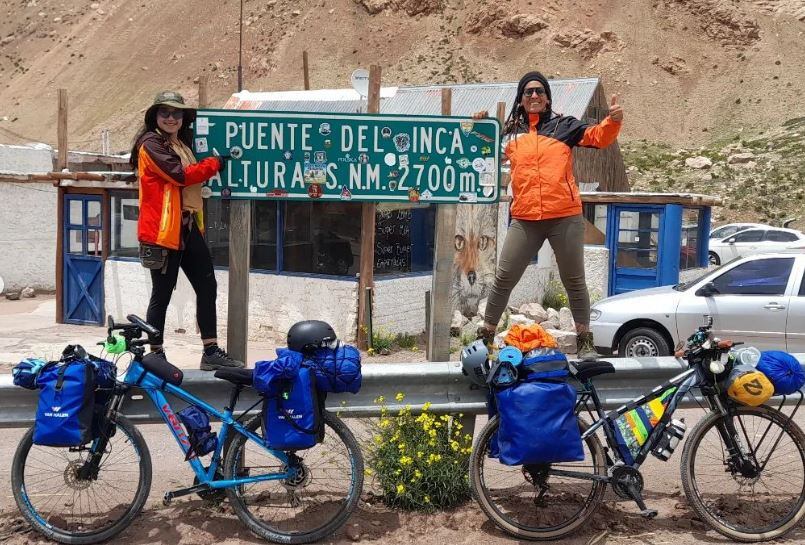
x,y
244,377
586,370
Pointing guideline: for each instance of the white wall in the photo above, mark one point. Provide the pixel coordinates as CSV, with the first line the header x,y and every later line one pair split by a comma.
x,y
27,220
399,303
28,235
275,302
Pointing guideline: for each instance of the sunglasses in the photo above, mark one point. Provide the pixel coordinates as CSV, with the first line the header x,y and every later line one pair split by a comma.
x,y
165,114
539,91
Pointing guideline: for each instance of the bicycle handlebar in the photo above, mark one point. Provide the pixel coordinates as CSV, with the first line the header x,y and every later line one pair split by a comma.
x,y
142,324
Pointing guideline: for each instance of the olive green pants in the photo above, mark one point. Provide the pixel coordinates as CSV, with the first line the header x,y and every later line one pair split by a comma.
x,y
523,241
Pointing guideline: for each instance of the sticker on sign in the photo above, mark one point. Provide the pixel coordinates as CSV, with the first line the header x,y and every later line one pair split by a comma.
x,y
368,157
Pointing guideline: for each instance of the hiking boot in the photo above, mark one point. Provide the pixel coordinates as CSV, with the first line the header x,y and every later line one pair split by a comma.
x,y
485,334
585,347
217,358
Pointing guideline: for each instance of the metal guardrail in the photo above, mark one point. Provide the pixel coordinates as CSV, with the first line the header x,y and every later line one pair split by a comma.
x,y
442,384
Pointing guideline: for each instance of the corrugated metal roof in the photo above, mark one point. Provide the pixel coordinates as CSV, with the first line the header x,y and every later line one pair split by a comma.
x,y
570,97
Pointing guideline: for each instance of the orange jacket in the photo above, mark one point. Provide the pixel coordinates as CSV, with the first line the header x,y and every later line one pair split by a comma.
x,y
162,178
543,185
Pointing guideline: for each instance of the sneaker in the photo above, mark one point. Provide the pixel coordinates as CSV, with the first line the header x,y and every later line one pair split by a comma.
x,y
219,359
585,347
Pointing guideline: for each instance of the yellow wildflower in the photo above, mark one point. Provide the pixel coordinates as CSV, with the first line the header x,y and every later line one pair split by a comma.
x,y
400,488
426,499
385,423
378,440
380,399
400,396
426,406
454,445
368,471
419,454
418,474
401,446
406,461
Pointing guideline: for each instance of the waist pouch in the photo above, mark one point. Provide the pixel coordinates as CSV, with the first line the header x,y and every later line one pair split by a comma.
x,y
293,418
153,257
538,423
197,423
64,415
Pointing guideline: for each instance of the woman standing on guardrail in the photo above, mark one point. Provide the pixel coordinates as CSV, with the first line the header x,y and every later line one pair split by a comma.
x,y
546,203
170,227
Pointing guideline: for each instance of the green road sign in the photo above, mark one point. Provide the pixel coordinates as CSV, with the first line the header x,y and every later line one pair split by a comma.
x,y
303,156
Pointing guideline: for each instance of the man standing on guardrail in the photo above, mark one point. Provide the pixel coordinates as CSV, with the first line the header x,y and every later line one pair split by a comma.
x,y
170,227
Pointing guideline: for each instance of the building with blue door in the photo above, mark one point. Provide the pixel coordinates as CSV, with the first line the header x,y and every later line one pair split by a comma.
x,y
653,239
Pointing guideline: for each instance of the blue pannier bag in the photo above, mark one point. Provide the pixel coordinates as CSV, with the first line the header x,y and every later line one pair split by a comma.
x,y
783,370
197,423
538,423
337,369
270,374
24,373
292,419
66,404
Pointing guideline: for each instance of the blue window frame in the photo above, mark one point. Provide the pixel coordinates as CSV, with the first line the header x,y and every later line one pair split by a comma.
x,y
324,238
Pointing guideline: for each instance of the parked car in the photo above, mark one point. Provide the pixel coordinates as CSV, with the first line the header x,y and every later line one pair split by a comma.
x,y
754,241
757,299
732,228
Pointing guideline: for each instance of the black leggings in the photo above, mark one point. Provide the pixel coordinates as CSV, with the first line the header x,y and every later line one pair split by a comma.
x,y
196,262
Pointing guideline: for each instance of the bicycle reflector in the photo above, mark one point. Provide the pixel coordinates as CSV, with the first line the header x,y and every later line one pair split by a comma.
x,y
116,347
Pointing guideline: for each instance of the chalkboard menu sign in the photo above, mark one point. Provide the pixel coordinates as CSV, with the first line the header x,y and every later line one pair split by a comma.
x,y
393,241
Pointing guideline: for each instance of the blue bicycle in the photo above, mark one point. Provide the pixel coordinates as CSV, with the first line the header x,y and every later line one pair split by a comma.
x,y
89,494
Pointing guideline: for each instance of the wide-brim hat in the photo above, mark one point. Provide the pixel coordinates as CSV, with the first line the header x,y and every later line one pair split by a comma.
x,y
172,99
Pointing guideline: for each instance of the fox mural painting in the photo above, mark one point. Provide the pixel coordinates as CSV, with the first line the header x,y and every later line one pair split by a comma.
x,y
476,251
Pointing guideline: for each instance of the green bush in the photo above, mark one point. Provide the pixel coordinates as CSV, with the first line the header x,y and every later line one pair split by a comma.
x,y
406,341
420,462
555,296
382,340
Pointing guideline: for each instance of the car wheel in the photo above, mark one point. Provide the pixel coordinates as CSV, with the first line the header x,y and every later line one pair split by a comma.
x,y
643,342
714,259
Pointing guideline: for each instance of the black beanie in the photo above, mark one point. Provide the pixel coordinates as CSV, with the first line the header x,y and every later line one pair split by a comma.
x,y
533,76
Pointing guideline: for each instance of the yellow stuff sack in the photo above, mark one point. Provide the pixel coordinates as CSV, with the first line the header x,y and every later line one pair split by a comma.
x,y
748,386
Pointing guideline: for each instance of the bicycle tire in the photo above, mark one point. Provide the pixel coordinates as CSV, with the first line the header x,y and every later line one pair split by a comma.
x,y
692,492
514,528
62,535
337,429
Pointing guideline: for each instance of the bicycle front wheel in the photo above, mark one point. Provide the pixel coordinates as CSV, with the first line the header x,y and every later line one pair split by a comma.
x,y
764,497
307,508
534,502
67,501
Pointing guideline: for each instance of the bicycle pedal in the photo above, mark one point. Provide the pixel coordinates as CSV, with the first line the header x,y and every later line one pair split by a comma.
x,y
648,513
167,499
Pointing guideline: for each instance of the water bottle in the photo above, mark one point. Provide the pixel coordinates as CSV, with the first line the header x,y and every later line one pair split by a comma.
x,y
670,439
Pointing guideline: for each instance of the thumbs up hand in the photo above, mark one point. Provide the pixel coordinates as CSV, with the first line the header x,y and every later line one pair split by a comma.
x,y
615,110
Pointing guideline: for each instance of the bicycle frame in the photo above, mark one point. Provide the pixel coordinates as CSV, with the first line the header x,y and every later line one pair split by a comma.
x,y
683,383
156,388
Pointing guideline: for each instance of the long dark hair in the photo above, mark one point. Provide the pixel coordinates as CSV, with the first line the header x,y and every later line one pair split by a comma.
x,y
150,125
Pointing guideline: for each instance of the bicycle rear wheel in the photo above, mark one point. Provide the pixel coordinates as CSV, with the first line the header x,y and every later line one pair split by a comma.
x,y
762,502
510,495
66,504
311,506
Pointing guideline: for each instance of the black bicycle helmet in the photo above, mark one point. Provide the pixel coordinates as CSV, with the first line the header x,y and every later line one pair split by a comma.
x,y
309,335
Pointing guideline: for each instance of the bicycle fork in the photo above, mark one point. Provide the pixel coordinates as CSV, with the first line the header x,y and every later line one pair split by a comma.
x,y
738,459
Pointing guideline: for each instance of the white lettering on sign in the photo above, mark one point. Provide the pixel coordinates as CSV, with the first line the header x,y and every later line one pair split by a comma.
x,y
306,136
298,176
279,175
332,181
276,135
262,128
466,182
346,138
231,132
377,146
362,138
